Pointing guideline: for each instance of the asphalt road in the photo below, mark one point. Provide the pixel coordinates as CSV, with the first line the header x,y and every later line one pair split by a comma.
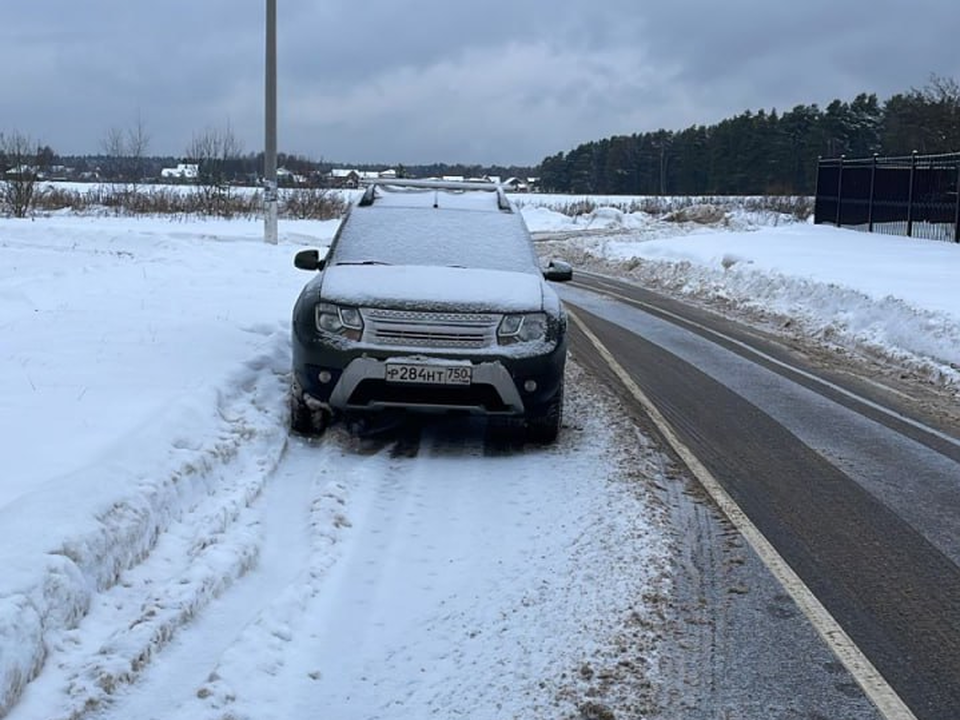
x,y
855,485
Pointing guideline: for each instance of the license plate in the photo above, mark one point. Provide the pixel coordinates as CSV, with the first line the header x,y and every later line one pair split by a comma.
x,y
429,374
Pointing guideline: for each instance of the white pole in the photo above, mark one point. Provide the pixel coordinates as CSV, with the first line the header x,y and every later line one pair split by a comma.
x,y
270,193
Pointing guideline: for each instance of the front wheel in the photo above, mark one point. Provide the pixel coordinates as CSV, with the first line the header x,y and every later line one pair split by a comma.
x,y
303,420
544,425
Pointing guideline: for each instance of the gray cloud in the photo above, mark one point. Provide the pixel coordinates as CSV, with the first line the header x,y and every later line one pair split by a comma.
x,y
423,80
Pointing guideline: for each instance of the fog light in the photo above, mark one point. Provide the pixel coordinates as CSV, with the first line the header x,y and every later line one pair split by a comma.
x,y
530,386
324,376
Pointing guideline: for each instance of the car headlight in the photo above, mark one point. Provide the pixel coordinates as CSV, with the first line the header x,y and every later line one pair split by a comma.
x,y
339,320
531,327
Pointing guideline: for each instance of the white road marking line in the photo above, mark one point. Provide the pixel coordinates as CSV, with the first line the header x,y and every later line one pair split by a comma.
x,y
877,689
779,363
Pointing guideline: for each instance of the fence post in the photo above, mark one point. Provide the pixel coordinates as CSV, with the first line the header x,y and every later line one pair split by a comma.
x,y
873,185
816,191
956,217
913,172
839,189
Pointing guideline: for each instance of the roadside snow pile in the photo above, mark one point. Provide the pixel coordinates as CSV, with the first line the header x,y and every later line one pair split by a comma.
x,y
676,220
883,296
544,220
701,214
134,381
599,227
99,521
606,217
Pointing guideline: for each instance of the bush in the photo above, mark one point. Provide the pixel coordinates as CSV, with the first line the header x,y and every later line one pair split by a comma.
x,y
312,204
19,161
122,200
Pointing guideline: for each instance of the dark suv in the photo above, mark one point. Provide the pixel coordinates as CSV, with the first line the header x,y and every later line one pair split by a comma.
x,y
431,298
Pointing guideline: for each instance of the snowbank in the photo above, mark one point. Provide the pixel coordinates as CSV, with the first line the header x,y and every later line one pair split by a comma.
x,y
885,296
137,374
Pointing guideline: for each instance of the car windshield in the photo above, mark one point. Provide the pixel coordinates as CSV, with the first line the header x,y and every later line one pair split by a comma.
x,y
427,236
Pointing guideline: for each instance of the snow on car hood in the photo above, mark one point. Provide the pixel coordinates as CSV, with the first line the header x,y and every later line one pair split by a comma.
x,y
433,288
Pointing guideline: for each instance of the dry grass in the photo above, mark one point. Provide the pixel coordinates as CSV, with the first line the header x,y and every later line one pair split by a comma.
x,y
325,204
180,202
799,207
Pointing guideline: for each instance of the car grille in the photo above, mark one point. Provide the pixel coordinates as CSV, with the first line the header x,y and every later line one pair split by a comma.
x,y
430,329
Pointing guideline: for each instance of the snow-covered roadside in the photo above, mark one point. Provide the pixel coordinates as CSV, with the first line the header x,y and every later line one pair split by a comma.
x,y
459,583
75,536
139,375
236,547
161,351
886,297
395,582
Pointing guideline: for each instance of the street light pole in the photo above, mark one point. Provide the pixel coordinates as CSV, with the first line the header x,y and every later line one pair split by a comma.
x,y
270,194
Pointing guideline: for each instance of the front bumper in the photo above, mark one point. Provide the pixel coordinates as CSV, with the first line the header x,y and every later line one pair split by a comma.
x,y
500,385
363,385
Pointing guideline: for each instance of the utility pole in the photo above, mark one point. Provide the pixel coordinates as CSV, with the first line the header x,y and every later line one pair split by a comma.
x,y
270,194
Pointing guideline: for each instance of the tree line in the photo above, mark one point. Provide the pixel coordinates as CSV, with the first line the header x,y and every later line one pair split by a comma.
x,y
217,162
760,152
755,153
216,151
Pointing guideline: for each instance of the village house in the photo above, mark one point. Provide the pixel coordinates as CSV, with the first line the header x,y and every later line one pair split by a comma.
x,y
350,178
183,172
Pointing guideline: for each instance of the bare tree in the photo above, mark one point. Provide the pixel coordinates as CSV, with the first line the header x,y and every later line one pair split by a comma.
x,y
19,158
126,150
216,151
941,98
114,148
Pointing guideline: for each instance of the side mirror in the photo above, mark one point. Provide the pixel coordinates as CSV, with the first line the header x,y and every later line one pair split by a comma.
x,y
308,260
558,271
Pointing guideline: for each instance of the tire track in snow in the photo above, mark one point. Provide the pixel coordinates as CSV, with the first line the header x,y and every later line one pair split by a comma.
x,y
128,626
281,516
464,585
385,585
261,654
160,554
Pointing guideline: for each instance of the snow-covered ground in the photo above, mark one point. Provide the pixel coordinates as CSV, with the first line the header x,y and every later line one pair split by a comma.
x,y
148,475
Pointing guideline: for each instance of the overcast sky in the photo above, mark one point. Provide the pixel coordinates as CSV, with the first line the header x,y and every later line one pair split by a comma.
x,y
420,81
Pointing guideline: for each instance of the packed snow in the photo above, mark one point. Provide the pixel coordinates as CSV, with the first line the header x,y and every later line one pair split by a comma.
x,y
149,474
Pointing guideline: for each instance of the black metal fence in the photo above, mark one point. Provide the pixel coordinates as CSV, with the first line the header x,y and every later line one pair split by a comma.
x,y
916,195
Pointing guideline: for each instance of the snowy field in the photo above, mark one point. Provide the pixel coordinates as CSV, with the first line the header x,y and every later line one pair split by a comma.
x,y
148,474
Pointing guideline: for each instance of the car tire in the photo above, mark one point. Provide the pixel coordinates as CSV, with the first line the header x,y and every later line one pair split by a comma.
x,y
303,420
544,426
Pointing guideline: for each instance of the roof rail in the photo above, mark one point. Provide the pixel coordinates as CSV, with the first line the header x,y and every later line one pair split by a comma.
x,y
369,195
431,184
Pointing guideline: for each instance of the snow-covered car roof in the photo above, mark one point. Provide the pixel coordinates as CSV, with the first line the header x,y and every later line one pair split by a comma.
x,y
436,228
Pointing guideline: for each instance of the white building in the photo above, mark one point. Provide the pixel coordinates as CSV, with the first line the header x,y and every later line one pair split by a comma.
x,y
183,171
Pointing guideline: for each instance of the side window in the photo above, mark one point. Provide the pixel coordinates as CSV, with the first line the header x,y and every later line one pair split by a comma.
x,y
336,236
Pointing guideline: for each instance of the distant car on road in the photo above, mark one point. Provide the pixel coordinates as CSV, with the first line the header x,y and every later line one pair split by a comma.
x,y
431,298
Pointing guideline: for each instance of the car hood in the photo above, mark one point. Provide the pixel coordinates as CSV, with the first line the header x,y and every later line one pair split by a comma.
x,y
433,288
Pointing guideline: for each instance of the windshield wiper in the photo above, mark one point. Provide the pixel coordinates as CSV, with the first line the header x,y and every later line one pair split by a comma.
x,y
362,262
